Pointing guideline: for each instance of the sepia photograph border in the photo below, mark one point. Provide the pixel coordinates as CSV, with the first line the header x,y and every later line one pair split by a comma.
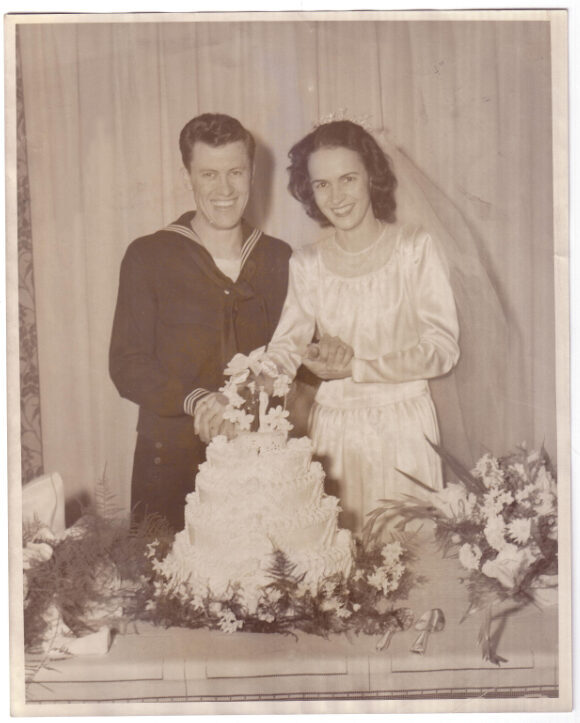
x,y
560,131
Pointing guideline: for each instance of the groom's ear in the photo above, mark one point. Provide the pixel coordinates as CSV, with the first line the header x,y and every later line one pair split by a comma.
x,y
186,178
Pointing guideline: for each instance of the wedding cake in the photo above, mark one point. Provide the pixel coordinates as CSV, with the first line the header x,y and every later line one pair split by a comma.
x,y
255,494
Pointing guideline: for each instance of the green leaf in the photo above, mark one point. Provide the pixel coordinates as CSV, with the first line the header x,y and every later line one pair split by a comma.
x,y
464,475
415,480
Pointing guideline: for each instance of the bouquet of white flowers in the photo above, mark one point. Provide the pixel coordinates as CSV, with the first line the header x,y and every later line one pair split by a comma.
x,y
500,519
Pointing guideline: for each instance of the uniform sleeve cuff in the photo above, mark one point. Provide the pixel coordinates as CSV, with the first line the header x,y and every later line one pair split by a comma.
x,y
192,399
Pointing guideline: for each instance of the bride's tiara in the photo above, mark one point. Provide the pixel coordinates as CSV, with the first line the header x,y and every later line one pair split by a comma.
x,y
342,114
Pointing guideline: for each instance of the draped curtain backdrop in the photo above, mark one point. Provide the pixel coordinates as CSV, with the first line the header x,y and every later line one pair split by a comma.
x,y
469,102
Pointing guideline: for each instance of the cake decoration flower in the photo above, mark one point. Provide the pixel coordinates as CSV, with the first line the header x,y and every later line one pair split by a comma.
x,y
242,419
275,420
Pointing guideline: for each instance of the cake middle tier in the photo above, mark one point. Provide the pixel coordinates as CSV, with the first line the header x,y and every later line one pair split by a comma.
x,y
312,527
259,488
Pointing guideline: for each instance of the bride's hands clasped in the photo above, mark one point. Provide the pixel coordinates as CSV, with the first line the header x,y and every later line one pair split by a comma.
x,y
329,358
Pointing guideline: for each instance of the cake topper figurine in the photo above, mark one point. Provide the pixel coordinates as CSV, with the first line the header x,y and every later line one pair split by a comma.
x,y
253,381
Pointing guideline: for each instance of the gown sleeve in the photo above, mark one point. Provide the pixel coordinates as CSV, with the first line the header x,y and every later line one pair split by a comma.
x,y
437,349
297,323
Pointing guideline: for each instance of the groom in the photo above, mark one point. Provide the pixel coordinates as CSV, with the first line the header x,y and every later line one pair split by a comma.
x,y
191,295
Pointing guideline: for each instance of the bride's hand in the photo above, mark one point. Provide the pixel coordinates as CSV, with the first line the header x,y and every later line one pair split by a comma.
x,y
330,358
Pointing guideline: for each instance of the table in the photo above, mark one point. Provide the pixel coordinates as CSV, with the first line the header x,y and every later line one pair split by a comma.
x,y
150,664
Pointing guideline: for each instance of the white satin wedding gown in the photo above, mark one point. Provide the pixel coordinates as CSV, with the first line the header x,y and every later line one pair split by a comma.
x,y
393,304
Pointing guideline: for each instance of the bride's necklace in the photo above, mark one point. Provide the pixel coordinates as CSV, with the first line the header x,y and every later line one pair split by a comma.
x,y
367,249
350,264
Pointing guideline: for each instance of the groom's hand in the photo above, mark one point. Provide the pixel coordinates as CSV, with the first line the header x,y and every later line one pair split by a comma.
x,y
330,358
208,418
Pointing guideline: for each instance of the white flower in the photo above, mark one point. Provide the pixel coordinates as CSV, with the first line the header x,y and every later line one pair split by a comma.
x,y
505,499
519,529
196,602
330,603
494,501
274,594
328,589
238,377
519,469
378,578
230,391
544,481
255,360
385,579
494,533
151,547
396,573
469,556
343,612
454,501
510,563
357,575
275,420
545,503
356,607
229,623
242,419
391,552
240,365
266,617
281,385
36,552
487,469
215,608
523,495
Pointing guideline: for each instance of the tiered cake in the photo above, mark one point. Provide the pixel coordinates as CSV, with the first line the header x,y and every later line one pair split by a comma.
x,y
257,493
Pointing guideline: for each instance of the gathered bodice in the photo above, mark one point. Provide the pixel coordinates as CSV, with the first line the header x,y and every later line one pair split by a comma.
x,y
397,311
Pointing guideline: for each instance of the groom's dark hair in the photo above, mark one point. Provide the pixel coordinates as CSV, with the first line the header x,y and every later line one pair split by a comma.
x,y
215,129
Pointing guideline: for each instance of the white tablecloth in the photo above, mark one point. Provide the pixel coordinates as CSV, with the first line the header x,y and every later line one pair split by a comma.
x,y
148,663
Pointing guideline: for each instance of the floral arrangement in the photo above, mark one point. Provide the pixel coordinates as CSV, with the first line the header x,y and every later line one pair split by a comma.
x,y
102,572
500,520
362,602
253,380
84,580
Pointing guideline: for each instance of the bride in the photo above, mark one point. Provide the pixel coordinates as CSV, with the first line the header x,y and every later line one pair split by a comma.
x,y
375,296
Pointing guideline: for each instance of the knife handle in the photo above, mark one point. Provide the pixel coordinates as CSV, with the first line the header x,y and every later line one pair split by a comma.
x,y
420,645
385,641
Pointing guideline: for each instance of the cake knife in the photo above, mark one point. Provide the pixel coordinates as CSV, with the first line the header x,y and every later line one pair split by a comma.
x,y
433,621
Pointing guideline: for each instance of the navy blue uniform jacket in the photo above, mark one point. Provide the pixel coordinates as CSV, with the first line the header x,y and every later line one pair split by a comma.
x,y
179,320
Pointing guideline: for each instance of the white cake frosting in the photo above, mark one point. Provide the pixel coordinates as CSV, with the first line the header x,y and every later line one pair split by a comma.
x,y
255,494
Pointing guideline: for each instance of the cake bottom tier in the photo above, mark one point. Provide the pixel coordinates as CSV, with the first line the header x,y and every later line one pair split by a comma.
x,y
203,572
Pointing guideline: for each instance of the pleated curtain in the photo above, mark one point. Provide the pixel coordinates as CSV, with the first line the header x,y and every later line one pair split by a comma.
x,y
469,102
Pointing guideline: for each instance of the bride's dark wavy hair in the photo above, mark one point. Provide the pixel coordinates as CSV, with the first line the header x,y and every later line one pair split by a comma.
x,y
343,134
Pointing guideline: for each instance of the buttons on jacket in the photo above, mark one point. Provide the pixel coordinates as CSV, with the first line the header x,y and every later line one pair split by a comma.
x,y
157,460
158,445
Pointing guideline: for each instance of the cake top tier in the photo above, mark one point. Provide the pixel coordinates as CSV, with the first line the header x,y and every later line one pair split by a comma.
x,y
255,444
253,390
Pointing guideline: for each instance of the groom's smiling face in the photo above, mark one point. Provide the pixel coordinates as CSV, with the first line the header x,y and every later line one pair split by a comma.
x,y
220,178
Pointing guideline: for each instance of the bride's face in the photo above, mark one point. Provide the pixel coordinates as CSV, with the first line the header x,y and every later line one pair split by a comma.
x,y
340,184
